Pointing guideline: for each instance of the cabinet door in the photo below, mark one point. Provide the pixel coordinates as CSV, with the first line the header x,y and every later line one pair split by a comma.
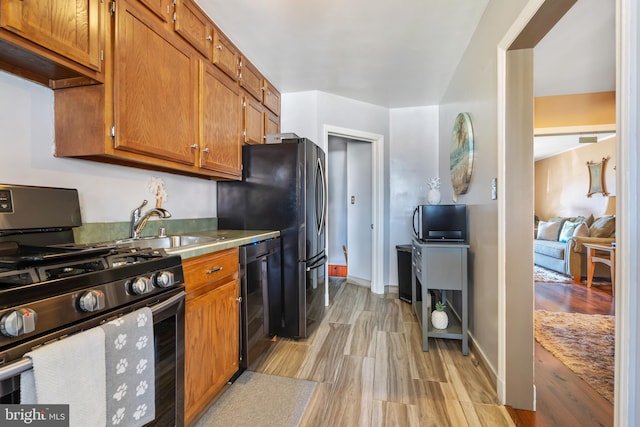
x,y
160,8
271,98
221,118
252,120
250,79
194,26
155,91
70,28
271,123
212,352
225,55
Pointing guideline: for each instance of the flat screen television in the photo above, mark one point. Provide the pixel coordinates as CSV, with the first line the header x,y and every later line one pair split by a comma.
x,y
437,223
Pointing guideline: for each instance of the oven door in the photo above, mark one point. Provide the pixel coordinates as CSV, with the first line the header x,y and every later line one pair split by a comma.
x,y
168,328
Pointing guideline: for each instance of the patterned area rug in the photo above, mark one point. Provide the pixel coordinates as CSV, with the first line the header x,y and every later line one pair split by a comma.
x,y
541,274
585,343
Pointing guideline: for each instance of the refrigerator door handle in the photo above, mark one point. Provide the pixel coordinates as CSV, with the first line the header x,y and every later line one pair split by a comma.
x,y
318,264
320,224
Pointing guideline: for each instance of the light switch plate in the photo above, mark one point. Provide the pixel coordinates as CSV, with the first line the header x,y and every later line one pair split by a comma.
x,y
494,188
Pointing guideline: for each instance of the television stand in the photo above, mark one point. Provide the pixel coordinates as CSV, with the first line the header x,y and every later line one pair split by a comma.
x,y
440,267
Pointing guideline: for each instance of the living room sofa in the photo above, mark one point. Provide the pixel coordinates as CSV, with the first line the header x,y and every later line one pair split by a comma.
x,y
559,244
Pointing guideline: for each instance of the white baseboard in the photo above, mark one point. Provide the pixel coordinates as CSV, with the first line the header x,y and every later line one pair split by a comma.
x,y
358,281
483,361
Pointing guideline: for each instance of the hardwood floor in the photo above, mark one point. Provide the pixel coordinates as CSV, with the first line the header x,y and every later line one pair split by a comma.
x,y
367,358
563,399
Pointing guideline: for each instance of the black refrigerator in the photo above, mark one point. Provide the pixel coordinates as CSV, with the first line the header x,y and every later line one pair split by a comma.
x,y
283,188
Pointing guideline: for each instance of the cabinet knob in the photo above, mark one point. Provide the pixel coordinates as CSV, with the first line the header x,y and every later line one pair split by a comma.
x,y
206,150
209,38
194,146
239,299
219,47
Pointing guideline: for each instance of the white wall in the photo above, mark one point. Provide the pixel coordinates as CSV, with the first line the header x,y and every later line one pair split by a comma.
x,y
108,193
306,114
410,152
413,161
473,89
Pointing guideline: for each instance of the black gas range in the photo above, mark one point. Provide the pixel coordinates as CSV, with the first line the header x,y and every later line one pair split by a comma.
x,y
40,293
48,282
51,287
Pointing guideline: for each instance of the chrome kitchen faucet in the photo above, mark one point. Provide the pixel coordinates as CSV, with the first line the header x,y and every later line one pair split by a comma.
x,y
139,220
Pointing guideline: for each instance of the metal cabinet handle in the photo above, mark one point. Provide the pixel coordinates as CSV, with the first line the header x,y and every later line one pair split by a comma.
x,y
214,270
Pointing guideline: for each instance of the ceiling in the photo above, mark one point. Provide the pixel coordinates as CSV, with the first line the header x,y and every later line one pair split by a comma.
x,y
390,53
403,53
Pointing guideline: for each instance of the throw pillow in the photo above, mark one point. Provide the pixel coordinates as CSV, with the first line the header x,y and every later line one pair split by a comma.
x,y
582,230
548,230
604,226
567,230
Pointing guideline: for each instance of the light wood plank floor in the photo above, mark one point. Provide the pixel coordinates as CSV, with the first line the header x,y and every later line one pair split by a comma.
x,y
367,358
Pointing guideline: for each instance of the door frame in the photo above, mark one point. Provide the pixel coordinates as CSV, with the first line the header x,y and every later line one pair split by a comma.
x,y
628,179
377,199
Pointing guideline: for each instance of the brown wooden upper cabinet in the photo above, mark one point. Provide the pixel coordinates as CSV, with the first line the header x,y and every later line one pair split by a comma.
x,y
225,55
261,104
155,91
69,28
250,79
271,123
194,26
271,97
221,121
253,124
160,8
165,103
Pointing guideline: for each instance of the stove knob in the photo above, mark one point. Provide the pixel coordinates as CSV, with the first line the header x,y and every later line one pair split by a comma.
x,y
140,285
163,279
18,322
91,301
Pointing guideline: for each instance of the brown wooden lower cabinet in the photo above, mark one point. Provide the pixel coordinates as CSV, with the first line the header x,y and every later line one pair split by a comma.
x,y
212,328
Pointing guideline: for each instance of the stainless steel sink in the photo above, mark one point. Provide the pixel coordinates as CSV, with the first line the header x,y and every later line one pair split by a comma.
x,y
168,242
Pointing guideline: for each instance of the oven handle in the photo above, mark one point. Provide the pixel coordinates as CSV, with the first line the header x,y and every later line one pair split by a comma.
x,y
24,364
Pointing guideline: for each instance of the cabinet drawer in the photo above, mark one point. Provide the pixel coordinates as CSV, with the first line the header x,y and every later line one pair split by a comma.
x,y
210,268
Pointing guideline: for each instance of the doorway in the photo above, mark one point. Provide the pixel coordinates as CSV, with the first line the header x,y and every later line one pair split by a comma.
x,y
350,207
376,225
515,111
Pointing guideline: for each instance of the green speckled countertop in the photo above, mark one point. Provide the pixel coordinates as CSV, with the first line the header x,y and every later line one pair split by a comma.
x,y
230,239
111,231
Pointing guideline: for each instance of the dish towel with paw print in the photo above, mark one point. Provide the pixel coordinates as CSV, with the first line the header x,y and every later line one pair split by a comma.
x,y
130,368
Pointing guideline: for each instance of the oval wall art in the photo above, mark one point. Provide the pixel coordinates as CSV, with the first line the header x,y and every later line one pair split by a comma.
x,y
461,154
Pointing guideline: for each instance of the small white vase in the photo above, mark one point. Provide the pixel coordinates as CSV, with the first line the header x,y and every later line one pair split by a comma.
x,y
433,197
439,319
